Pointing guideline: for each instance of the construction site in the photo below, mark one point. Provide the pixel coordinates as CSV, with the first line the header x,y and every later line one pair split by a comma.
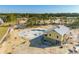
x,y
31,41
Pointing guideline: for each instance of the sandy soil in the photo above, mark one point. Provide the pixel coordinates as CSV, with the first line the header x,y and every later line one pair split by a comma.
x,y
16,45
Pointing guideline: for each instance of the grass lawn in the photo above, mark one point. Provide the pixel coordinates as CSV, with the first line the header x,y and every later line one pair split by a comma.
x,y
4,28
3,31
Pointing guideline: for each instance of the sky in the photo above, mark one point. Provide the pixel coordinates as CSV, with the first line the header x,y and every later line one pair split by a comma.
x,y
39,8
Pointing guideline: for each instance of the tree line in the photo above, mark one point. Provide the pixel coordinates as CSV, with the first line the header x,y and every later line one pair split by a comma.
x,y
38,19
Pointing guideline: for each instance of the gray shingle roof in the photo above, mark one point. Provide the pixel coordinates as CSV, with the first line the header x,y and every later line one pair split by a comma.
x,y
61,29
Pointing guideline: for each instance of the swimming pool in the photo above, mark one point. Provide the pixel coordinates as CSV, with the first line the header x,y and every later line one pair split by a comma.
x,y
31,34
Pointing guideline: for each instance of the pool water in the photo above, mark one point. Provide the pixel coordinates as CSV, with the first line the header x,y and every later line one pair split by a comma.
x,y
31,34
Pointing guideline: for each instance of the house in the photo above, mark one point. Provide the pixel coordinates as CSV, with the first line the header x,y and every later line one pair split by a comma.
x,y
1,21
22,20
58,34
21,23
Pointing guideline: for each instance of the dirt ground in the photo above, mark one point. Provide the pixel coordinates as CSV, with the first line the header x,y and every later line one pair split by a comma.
x,y
16,45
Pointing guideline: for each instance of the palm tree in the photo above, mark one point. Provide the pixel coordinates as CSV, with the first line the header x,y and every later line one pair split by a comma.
x,y
45,18
41,18
65,19
54,19
51,18
29,22
61,20
34,20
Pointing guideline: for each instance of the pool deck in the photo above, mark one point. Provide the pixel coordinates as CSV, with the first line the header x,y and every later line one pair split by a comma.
x,y
32,33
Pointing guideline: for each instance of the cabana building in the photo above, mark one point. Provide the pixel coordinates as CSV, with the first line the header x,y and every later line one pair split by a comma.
x,y
59,34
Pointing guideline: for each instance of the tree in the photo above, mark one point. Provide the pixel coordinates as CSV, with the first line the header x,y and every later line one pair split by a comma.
x,y
65,19
51,19
11,17
54,18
